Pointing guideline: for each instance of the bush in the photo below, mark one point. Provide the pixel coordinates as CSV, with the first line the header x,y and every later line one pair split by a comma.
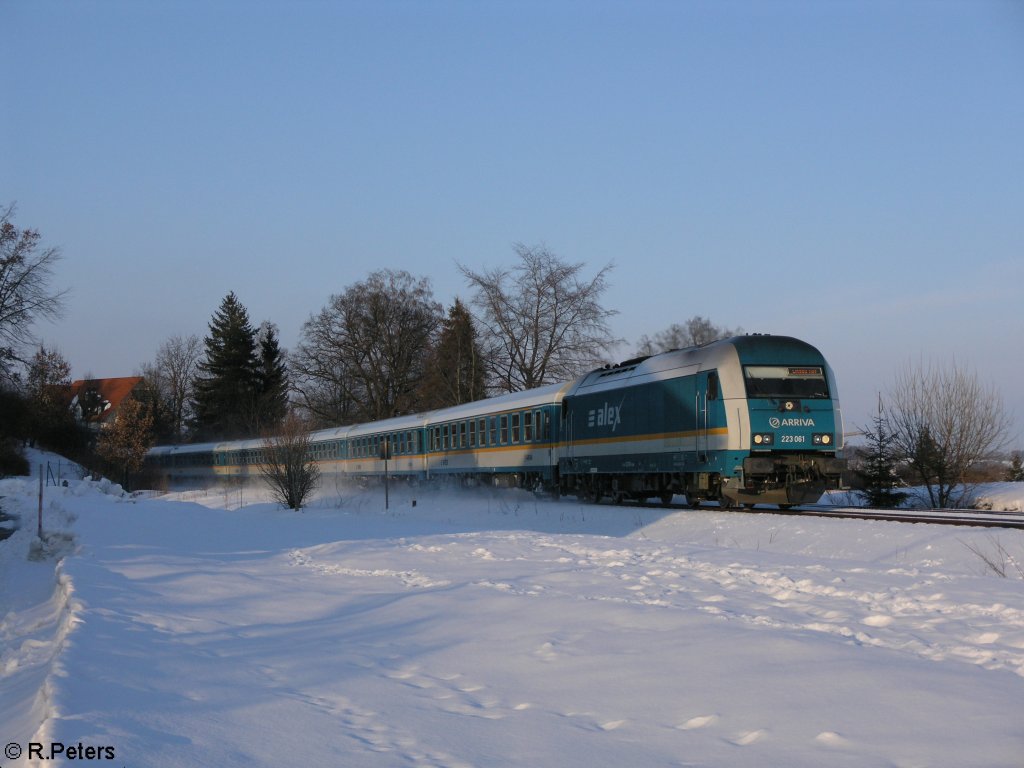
x,y
11,460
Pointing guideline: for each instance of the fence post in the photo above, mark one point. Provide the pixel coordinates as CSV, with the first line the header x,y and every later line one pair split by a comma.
x,y
40,528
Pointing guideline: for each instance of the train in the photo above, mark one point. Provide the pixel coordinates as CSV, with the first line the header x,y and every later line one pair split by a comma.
x,y
751,419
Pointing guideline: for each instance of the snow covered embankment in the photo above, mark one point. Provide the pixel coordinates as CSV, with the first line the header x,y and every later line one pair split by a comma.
x,y
37,603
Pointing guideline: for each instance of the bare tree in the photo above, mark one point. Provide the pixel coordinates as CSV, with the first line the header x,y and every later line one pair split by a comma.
x,y
288,468
47,381
540,320
171,374
368,347
25,294
125,442
943,420
694,332
324,385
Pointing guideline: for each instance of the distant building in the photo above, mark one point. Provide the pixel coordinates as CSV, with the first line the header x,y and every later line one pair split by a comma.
x,y
95,402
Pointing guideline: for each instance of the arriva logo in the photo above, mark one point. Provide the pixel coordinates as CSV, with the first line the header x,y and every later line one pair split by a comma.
x,y
775,422
607,416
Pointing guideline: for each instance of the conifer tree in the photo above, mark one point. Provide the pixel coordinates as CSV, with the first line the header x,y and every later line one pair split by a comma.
x,y
228,383
456,371
1016,471
272,404
879,472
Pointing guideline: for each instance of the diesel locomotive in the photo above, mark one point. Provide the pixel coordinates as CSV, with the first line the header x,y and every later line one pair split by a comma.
x,y
752,419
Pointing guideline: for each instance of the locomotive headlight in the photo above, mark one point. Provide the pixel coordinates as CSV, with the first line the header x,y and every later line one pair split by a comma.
x,y
822,439
764,438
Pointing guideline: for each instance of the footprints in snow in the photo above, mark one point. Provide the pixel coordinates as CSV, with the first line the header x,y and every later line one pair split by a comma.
x,y
829,739
456,695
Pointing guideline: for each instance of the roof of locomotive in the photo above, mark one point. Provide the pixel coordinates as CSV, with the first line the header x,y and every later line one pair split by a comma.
x,y
736,350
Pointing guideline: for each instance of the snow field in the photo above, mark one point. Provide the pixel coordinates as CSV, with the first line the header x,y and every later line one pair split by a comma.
x,y
492,629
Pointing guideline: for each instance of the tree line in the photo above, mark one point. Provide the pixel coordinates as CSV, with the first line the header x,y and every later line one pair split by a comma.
x,y
384,346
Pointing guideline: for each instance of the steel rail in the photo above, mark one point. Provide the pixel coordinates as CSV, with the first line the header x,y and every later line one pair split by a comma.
x,y
964,517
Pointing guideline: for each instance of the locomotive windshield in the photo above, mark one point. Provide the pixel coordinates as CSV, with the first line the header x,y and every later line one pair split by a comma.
x,y
786,381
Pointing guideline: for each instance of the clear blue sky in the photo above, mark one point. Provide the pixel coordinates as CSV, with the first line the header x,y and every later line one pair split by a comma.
x,y
851,173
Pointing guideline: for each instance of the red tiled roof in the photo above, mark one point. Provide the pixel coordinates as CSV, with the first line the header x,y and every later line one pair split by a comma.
x,y
113,391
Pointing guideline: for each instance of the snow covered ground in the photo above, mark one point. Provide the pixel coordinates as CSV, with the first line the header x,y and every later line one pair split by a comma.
x,y
486,628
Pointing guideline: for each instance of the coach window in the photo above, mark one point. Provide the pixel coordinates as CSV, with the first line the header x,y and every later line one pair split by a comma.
x,y
515,427
482,431
503,440
527,427
472,434
462,434
547,425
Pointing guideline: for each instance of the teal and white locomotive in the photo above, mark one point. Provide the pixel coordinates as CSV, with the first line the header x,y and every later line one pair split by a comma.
x,y
748,420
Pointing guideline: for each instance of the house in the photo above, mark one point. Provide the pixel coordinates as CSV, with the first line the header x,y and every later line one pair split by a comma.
x,y
95,402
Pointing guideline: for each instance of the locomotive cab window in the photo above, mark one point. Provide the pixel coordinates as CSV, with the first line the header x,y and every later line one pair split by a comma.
x,y
781,381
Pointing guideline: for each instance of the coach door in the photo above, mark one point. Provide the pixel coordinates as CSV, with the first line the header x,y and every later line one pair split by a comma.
x,y
707,393
567,433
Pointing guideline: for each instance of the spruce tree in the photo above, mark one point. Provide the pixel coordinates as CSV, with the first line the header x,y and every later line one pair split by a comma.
x,y
228,383
878,475
1016,471
273,380
456,371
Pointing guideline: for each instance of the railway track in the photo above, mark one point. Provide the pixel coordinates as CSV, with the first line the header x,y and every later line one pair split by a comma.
x,y
967,517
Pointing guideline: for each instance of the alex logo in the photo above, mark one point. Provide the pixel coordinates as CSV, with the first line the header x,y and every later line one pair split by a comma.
x,y
775,422
606,416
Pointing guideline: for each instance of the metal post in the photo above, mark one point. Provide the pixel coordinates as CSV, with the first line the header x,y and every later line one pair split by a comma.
x,y
39,531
